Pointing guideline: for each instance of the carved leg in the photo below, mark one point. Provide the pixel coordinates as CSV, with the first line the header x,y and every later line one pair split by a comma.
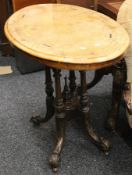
x,y
119,77
99,141
67,97
49,100
72,84
60,123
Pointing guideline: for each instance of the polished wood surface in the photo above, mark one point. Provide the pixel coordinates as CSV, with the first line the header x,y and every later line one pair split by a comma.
x,y
112,5
67,35
7,7
18,4
82,3
109,7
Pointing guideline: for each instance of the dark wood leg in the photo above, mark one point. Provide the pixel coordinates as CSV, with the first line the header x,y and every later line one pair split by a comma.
x,y
67,97
60,123
72,83
99,141
49,100
119,78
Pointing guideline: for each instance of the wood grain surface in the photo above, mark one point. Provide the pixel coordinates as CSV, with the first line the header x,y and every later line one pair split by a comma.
x,y
68,35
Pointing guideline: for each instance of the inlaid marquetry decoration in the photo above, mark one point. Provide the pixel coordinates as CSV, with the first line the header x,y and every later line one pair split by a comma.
x,y
67,34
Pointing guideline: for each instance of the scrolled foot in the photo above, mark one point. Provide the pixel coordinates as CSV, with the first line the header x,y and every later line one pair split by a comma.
x,y
54,161
105,145
102,143
37,120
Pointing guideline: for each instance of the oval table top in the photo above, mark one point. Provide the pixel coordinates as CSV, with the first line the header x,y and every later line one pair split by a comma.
x,y
67,36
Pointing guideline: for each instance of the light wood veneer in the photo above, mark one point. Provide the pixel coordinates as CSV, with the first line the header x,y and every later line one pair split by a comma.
x,y
68,36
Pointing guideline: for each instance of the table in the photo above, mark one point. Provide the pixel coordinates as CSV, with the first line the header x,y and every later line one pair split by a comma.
x,y
72,38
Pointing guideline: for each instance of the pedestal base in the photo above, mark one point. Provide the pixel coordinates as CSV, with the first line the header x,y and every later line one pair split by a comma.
x,y
63,103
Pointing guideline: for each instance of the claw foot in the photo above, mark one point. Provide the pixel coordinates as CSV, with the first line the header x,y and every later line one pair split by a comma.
x,y
54,162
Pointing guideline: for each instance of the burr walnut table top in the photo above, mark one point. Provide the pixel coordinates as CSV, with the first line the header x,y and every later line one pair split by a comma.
x,y
67,36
